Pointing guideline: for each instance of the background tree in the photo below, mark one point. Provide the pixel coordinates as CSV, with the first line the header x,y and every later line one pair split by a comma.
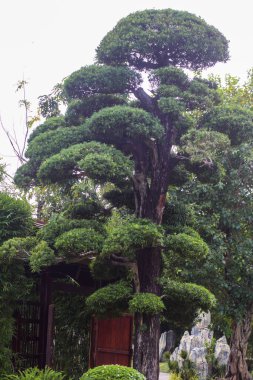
x,y
15,221
121,149
222,195
232,91
29,120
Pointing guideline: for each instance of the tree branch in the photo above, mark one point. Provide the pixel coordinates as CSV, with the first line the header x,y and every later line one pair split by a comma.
x,y
120,259
146,100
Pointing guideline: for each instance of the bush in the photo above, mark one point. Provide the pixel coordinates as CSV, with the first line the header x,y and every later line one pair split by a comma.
x,y
112,372
186,371
175,376
36,374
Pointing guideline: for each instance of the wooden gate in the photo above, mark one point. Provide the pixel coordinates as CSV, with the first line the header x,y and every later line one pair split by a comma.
x,y
25,343
111,341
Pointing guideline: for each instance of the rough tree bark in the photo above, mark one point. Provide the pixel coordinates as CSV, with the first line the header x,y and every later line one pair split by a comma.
x,y
237,366
147,327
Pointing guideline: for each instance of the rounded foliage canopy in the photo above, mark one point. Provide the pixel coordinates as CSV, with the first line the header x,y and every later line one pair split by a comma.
x,y
94,79
110,300
234,121
112,124
98,161
156,38
147,303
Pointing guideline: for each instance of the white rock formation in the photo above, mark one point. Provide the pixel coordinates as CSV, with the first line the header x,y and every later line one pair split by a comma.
x,y
195,346
222,351
166,342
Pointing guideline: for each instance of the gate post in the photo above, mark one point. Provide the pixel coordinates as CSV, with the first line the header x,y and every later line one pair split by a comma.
x,y
45,300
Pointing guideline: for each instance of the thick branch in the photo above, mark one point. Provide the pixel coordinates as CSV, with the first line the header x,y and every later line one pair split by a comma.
x,y
146,100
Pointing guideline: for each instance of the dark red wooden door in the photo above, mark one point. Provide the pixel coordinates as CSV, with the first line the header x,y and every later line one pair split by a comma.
x,y
111,341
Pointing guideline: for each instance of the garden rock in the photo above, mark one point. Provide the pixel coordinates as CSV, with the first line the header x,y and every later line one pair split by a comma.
x,y
166,342
222,351
195,346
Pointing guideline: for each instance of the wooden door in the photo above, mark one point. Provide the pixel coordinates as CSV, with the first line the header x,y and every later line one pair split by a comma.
x,y
111,341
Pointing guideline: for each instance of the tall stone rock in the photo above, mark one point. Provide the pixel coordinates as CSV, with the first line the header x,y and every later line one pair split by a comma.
x,y
167,342
195,346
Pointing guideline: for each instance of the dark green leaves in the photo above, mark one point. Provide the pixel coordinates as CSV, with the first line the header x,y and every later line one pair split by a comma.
x,y
146,303
78,110
183,250
94,79
184,302
117,124
188,293
233,120
100,162
49,125
78,241
110,300
126,236
156,38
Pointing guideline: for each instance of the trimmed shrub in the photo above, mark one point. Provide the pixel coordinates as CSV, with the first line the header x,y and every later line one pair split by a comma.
x,y
112,372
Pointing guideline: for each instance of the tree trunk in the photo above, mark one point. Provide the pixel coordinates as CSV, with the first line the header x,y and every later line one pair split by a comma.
x,y
147,327
150,198
146,345
237,365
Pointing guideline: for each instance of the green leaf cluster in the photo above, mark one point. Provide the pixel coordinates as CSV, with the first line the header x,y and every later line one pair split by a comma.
x,y
127,236
146,303
110,300
49,125
183,250
41,256
15,217
97,161
183,302
80,109
15,248
234,121
78,241
204,144
178,93
96,79
114,124
59,224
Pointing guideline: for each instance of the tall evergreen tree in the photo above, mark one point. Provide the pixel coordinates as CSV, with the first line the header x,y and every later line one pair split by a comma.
x,y
123,139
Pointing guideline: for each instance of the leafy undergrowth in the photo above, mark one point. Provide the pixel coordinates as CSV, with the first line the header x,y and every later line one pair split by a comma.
x,y
164,367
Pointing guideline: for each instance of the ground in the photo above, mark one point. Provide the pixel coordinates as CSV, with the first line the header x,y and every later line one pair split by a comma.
x,y
163,376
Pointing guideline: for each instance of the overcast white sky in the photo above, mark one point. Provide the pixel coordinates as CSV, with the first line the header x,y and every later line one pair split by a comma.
x,y
45,40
